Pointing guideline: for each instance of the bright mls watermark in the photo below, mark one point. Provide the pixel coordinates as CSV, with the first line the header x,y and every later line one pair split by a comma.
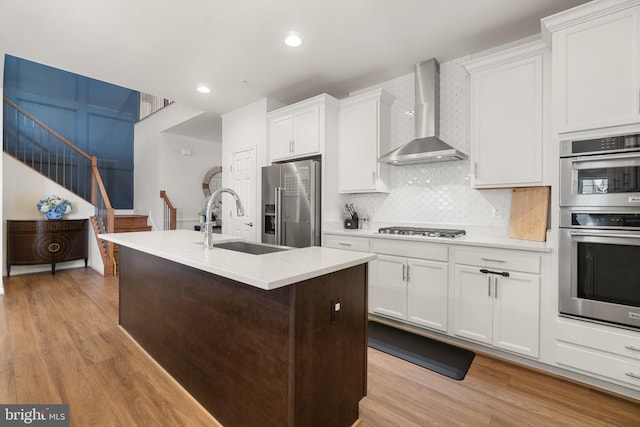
x,y
34,415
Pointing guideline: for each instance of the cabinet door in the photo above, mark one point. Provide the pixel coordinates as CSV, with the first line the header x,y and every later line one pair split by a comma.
x,y
358,147
390,295
473,306
598,71
516,325
427,293
507,124
281,137
306,131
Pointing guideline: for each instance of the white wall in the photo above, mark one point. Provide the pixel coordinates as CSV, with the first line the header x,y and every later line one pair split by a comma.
x,y
244,128
19,200
159,164
181,175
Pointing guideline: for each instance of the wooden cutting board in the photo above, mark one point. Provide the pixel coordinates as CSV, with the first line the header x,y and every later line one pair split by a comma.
x,y
529,213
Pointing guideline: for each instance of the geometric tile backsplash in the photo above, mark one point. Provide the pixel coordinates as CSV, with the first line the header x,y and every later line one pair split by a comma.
x,y
435,193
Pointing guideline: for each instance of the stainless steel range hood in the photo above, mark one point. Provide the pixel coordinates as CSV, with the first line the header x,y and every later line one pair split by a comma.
x,y
427,147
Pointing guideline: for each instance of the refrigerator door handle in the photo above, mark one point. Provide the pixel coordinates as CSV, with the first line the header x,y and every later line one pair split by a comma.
x,y
279,218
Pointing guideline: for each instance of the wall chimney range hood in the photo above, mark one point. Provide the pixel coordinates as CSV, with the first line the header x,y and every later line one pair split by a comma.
x,y
427,147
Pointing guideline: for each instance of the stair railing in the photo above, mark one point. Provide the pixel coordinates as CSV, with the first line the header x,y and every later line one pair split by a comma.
x,y
170,217
33,143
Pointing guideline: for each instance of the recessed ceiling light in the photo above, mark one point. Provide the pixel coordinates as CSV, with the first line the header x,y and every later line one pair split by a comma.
x,y
203,89
293,40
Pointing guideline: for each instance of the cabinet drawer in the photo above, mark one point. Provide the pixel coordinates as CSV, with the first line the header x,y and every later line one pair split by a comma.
x,y
600,338
626,371
502,260
346,242
421,250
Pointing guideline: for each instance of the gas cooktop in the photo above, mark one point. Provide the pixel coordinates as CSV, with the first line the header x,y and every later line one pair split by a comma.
x,y
417,231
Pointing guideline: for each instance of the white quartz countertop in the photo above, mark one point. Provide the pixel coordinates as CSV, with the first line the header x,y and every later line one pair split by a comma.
x,y
267,271
472,238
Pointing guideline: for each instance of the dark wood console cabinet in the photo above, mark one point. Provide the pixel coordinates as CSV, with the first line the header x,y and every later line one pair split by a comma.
x,y
46,242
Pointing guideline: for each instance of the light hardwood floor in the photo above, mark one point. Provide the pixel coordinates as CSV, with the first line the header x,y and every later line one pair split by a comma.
x,y
60,343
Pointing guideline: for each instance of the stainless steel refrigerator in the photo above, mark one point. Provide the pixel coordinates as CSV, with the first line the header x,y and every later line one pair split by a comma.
x,y
291,204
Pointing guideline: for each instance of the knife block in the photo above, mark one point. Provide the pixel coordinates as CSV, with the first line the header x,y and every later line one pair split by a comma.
x,y
351,223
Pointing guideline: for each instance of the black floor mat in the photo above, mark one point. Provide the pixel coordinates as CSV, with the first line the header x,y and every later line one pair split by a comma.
x,y
434,355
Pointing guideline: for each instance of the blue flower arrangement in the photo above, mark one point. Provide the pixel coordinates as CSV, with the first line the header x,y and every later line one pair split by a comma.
x,y
54,207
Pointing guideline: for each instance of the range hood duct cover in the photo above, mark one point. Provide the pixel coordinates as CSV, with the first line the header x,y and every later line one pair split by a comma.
x,y
427,147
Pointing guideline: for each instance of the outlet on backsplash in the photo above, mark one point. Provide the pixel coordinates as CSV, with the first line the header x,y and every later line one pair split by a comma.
x,y
497,212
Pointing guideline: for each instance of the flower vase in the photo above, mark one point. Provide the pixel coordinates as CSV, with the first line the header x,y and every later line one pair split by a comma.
x,y
53,215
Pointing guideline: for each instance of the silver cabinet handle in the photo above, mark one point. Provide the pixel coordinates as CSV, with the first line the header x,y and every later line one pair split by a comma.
x,y
344,244
632,375
489,286
373,177
404,273
632,348
495,287
493,260
408,269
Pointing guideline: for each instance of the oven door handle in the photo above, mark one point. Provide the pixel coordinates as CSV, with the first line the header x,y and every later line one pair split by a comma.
x,y
618,156
625,236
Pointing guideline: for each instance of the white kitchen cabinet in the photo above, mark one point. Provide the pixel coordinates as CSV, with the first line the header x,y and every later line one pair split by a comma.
x,y
596,57
298,130
427,293
411,289
603,351
364,135
495,305
507,91
390,294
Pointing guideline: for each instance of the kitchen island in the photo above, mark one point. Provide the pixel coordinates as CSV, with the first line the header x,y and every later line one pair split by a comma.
x,y
273,339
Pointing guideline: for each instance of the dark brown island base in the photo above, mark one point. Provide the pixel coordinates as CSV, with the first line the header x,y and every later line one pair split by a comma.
x,y
291,356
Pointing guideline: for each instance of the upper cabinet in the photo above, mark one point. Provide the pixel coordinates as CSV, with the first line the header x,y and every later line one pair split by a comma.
x,y
298,130
596,57
364,134
507,123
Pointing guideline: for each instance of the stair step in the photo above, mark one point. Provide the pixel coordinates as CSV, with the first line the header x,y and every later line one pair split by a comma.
x,y
126,223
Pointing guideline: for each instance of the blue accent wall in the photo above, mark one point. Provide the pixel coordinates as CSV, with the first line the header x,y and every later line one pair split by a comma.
x,y
97,117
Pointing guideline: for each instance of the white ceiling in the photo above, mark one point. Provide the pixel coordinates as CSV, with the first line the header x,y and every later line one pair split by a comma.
x,y
168,47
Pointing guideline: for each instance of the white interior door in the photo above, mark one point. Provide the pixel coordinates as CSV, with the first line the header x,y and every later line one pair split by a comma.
x,y
242,179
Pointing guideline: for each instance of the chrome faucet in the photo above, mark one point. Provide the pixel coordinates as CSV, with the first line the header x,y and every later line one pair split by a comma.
x,y
208,238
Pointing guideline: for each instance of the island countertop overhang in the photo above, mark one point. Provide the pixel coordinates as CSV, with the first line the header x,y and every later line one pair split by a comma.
x,y
267,271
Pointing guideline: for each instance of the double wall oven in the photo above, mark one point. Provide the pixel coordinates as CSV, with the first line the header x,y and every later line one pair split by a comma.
x,y
600,229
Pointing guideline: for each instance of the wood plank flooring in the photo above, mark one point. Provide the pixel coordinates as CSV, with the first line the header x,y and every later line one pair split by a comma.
x,y
60,343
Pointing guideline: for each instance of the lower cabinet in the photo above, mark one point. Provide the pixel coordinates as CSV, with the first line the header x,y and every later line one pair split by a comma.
x,y
495,293
608,353
495,305
411,289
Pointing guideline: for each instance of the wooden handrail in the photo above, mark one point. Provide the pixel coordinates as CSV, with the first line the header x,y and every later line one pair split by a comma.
x,y
173,216
47,128
163,195
98,180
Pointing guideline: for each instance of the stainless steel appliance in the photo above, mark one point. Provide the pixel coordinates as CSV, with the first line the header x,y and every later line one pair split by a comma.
x,y
426,147
599,247
600,172
600,265
291,203
418,231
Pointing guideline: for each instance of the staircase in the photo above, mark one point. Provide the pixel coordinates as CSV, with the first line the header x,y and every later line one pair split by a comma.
x,y
125,224
37,146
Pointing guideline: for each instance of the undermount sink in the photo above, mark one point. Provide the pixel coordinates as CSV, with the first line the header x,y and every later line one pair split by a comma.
x,y
250,247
